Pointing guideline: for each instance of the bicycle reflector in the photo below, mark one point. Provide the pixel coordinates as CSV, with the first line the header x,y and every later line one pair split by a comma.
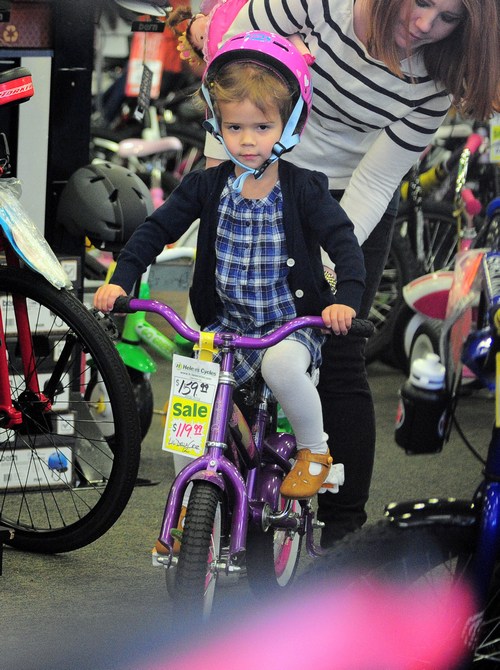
x,y
16,86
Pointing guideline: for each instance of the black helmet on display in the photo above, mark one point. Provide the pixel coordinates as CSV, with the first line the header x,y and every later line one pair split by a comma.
x,y
105,202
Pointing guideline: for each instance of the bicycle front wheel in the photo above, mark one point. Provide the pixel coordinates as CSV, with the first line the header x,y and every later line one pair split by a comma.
x,y
200,553
68,469
419,555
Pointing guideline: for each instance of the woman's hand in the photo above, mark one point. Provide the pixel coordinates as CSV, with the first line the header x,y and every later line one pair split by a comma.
x,y
105,296
338,318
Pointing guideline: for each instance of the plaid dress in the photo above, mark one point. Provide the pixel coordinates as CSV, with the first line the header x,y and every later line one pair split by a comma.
x,y
251,276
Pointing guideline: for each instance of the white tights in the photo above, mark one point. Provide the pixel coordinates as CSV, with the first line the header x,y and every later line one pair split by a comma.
x,y
284,368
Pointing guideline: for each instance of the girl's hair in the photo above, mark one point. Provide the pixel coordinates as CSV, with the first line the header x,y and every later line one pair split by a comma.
x,y
244,80
466,63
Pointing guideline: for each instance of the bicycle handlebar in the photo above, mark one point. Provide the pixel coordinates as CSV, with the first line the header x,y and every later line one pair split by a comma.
x,y
472,205
432,177
127,305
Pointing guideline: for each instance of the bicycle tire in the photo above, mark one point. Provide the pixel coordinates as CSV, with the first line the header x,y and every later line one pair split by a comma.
x,y
272,558
425,340
400,268
197,567
144,401
63,484
414,336
436,551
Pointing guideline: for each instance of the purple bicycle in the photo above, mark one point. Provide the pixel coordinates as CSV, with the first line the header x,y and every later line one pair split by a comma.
x,y
234,514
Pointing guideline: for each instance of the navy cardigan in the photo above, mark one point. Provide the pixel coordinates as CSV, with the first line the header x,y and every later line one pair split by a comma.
x,y
311,219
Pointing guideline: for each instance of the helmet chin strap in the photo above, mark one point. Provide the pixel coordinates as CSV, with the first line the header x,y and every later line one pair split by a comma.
x,y
287,141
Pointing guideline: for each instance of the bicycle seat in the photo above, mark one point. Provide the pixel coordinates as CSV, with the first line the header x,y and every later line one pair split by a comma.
x,y
142,148
16,86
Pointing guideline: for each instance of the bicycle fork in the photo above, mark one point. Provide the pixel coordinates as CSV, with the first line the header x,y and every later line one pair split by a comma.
x,y
215,468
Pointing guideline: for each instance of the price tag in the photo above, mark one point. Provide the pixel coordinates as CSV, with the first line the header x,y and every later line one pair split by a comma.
x,y
495,139
144,97
145,49
192,394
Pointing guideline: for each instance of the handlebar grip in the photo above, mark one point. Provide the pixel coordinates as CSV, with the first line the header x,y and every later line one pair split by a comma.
x,y
472,204
362,327
122,305
474,141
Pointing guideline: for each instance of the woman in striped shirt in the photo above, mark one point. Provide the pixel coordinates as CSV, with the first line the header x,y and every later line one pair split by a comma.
x,y
384,76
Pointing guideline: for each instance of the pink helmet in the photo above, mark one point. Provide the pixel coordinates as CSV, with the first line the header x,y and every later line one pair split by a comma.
x,y
276,53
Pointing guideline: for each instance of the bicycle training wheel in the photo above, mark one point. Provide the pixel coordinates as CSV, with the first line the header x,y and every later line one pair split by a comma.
x,y
415,556
272,557
200,552
63,481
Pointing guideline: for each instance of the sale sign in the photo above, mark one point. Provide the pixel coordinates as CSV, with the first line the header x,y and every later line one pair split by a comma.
x,y
192,393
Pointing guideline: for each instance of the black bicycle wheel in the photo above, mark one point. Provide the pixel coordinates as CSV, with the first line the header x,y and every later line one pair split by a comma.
x,y
272,558
400,268
63,483
416,555
199,557
435,243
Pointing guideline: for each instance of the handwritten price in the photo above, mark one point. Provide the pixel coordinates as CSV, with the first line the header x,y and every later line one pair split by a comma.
x,y
186,429
191,388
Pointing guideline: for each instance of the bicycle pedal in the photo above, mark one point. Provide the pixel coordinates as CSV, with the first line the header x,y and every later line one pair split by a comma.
x,y
106,322
334,480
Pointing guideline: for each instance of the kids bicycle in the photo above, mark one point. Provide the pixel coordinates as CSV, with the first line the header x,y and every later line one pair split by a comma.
x,y
235,515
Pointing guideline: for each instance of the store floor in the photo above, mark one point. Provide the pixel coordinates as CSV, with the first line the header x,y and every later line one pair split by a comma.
x,y
105,606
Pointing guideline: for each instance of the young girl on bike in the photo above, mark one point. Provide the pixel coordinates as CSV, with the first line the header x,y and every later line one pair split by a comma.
x,y
262,223
384,76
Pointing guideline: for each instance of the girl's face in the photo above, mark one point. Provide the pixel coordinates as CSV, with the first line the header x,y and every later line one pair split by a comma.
x,y
249,133
429,21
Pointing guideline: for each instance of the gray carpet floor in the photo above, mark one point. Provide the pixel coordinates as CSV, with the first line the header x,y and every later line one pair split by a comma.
x,y
105,606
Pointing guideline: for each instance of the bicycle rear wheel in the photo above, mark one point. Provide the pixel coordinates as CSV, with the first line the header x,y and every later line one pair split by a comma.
x,y
63,480
415,555
272,557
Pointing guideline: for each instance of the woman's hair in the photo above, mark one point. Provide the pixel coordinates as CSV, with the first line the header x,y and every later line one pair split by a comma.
x,y
466,63
244,80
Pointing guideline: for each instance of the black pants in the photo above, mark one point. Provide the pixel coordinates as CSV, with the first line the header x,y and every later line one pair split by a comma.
x,y
348,411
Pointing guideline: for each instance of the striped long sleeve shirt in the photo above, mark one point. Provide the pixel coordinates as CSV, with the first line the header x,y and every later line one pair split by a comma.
x,y
367,126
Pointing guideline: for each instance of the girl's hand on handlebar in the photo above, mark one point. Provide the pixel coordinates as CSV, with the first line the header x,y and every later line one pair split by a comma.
x,y
338,318
105,296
